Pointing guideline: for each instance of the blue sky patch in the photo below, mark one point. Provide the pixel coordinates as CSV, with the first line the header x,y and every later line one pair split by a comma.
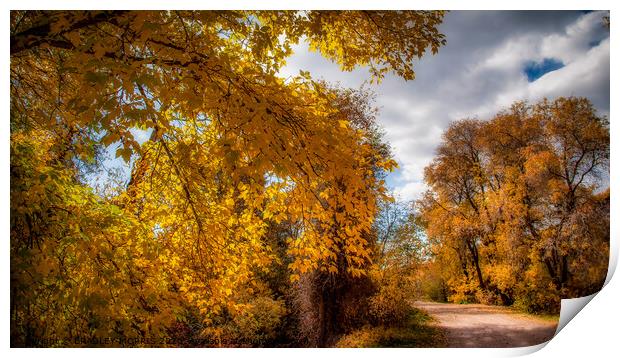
x,y
594,43
535,70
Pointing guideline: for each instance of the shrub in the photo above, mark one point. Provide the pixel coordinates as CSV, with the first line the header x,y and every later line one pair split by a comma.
x,y
389,305
256,325
462,291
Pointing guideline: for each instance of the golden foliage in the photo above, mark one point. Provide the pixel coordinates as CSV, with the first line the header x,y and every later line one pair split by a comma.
x,y
512,204
233,150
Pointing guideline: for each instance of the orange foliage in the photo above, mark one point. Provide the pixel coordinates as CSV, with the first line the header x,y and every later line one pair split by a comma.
x,y
234,150
513,203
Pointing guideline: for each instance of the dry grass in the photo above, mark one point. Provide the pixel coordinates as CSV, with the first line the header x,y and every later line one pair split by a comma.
x,y
417,332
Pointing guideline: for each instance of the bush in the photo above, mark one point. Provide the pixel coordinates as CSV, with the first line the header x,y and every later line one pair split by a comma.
x,y
537,294
256,325
462,291
389,305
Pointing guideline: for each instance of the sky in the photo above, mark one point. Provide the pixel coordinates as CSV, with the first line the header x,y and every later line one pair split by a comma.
x,y
491,59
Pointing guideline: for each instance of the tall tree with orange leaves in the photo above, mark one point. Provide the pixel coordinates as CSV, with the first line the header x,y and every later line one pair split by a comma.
x,y
517,204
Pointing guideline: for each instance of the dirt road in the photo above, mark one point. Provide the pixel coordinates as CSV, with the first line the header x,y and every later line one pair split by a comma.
x,y
476,325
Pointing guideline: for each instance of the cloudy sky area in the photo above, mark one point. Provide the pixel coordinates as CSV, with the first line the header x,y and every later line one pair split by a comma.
x,y
491,59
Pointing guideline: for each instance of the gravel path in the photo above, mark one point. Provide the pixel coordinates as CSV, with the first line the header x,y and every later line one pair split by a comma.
x,y
474,325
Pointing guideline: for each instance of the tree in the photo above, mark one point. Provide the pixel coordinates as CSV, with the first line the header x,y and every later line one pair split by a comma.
x,y
508,198
233,150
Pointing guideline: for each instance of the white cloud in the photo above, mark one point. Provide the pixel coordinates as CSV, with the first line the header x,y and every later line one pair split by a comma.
x,y
411,190
577,38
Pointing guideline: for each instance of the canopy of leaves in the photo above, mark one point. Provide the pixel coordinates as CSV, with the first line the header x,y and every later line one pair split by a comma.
x,y
234,151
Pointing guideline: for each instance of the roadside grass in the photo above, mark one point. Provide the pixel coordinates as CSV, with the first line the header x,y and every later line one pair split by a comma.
x,y
547,317
418,331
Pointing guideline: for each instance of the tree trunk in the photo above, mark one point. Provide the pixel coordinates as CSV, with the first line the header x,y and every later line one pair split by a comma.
x,y
476,260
